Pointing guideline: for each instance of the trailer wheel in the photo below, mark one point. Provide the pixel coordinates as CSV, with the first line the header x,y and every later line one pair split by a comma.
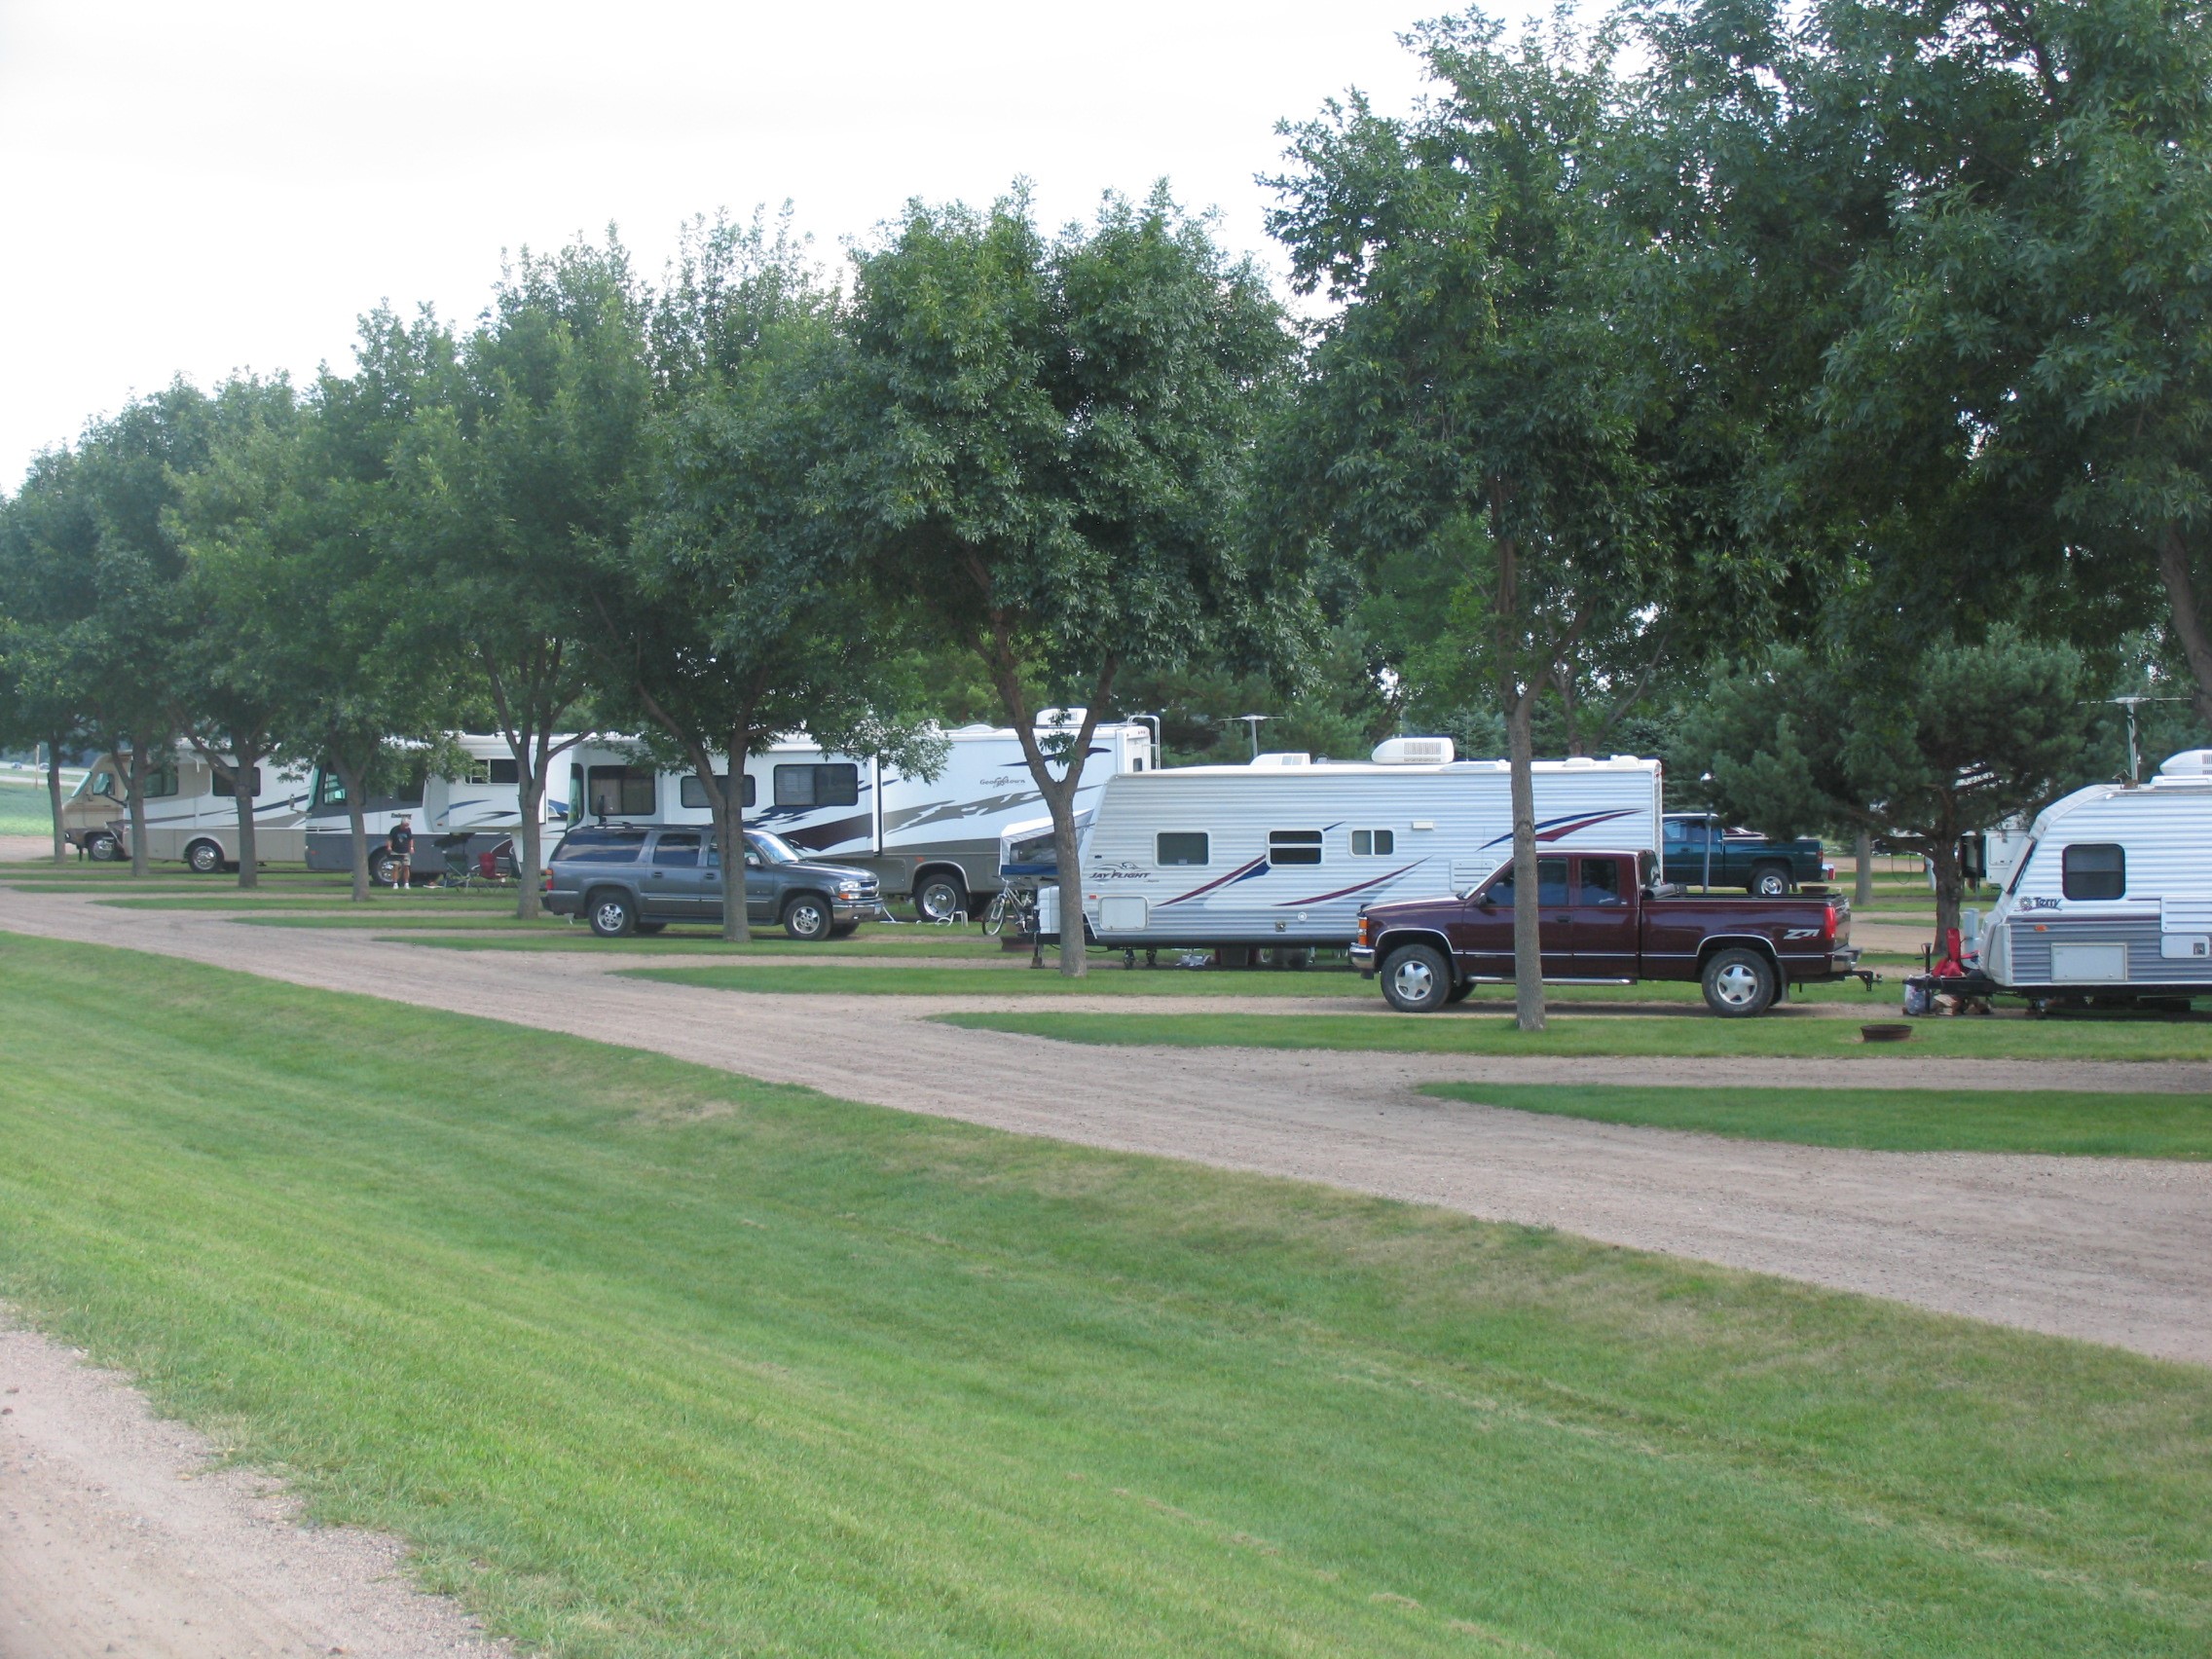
x,y
806,918
1770,881
1739,984
204,857
613,913
381,865
103,847
938,897
1417,980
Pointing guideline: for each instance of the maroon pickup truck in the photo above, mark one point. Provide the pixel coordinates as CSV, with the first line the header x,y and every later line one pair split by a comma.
x,y
1606,919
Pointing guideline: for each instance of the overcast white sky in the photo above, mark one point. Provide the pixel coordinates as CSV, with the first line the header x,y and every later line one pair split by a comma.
x,y
200,187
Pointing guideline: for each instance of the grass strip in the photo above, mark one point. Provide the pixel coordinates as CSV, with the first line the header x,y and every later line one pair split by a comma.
x,y
24,808
1000,981
2062,1122
1774,1036
647,1359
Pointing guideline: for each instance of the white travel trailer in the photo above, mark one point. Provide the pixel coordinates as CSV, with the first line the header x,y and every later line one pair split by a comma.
x,y
484,802
1285,852
2112,897
191,812
934,840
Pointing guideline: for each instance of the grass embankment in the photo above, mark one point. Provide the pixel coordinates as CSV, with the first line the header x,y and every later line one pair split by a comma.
x,y
24,808
646,1359
1775,1036
2066,1123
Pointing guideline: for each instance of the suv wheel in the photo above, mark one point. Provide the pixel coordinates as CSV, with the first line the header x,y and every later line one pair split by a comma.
x,y
1417,980
1739,984
1770,881
204,857
614,914
806,918
939,898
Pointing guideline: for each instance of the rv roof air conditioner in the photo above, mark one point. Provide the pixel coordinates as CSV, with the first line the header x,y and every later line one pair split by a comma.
x,y
1280,759
1413,752
2188,763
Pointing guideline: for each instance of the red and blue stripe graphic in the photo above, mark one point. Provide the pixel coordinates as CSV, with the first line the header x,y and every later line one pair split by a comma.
x,y
1242,872
1356,887
1559,828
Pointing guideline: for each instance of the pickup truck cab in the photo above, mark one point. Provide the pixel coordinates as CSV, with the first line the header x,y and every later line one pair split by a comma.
x,y
1605,918
1700,852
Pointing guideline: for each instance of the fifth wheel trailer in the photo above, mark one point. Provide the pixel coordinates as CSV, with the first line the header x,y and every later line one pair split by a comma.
x,y
2111,895
936,839
1284,852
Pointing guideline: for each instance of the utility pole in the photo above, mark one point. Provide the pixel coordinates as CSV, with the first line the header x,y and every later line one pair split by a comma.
x,y
1252,725
2132,704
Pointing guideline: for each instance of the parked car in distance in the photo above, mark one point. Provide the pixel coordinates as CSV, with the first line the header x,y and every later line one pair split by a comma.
x,y
1738,858
1606,919
626,879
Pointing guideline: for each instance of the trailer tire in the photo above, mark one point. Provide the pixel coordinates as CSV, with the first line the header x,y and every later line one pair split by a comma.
x,y
103,848
1417,980
613,913
1739,984
806,918
939,895
381,863
1770,881
204,858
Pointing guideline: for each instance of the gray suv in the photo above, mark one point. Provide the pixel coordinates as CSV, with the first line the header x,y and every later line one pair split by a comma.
x,y
627,878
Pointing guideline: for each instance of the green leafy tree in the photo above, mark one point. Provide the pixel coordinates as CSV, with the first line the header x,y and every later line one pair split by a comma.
x,y
1046,442
46,593
732,613
517,483
1496,416
1958,738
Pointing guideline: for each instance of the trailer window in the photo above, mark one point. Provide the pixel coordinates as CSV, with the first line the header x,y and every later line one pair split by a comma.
x,y
161,781
693,794
253,785
1374,843
619,791
502,771
680,849
1294,846
836,782
2098,870
1182,847
101,783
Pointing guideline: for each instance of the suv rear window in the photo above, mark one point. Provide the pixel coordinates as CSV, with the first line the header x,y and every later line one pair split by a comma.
x,y
601,846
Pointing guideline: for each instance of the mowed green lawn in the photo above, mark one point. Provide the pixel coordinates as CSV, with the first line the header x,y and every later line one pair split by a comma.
x,y
1690,1032
1015,981
24,808
646,1359
2068,1122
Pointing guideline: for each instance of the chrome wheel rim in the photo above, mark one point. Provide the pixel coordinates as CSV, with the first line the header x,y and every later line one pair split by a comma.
x,y
1737,985
937,902
607,918
807,919
1414,981
205,860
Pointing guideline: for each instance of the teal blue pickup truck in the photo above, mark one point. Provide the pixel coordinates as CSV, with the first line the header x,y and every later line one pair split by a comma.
x,y
1695,845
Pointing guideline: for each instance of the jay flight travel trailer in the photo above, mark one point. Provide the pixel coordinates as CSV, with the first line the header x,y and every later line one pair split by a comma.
x,y
1284,852
191,812
484,802
2111,895
936,840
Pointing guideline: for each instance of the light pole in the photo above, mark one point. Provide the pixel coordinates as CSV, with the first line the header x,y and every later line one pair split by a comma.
x,y
1252,725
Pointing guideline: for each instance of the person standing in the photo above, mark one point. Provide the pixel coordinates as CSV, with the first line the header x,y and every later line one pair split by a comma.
x,y
400,843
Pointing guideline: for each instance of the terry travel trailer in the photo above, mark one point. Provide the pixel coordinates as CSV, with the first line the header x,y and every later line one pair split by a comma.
x,y
191,812
2112,897
1285,852
483,802
934,840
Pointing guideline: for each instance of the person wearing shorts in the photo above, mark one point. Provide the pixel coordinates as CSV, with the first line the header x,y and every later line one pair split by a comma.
x,y
400,843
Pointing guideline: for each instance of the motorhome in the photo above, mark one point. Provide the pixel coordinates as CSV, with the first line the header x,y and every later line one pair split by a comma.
x,y
934,840
482,801
2112,895
190,811
1284,852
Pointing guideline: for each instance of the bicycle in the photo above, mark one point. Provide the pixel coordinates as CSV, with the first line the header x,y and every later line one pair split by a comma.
x,y
1017,904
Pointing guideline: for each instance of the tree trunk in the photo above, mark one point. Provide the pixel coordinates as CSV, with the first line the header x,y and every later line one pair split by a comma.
x,y
1073,962
529,869
1943,860
53,800
134,788
2188,619
726,801
1863,878
1527,939
357,823
248,856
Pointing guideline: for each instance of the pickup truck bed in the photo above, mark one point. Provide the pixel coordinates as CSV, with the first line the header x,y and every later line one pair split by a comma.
x,y
1602,918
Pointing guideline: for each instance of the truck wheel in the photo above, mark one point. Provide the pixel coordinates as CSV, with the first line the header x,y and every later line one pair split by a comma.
x,y
204,857
939,898
1770,881
103,847
613,913
1739,984
1460,992
1417,980
806,918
